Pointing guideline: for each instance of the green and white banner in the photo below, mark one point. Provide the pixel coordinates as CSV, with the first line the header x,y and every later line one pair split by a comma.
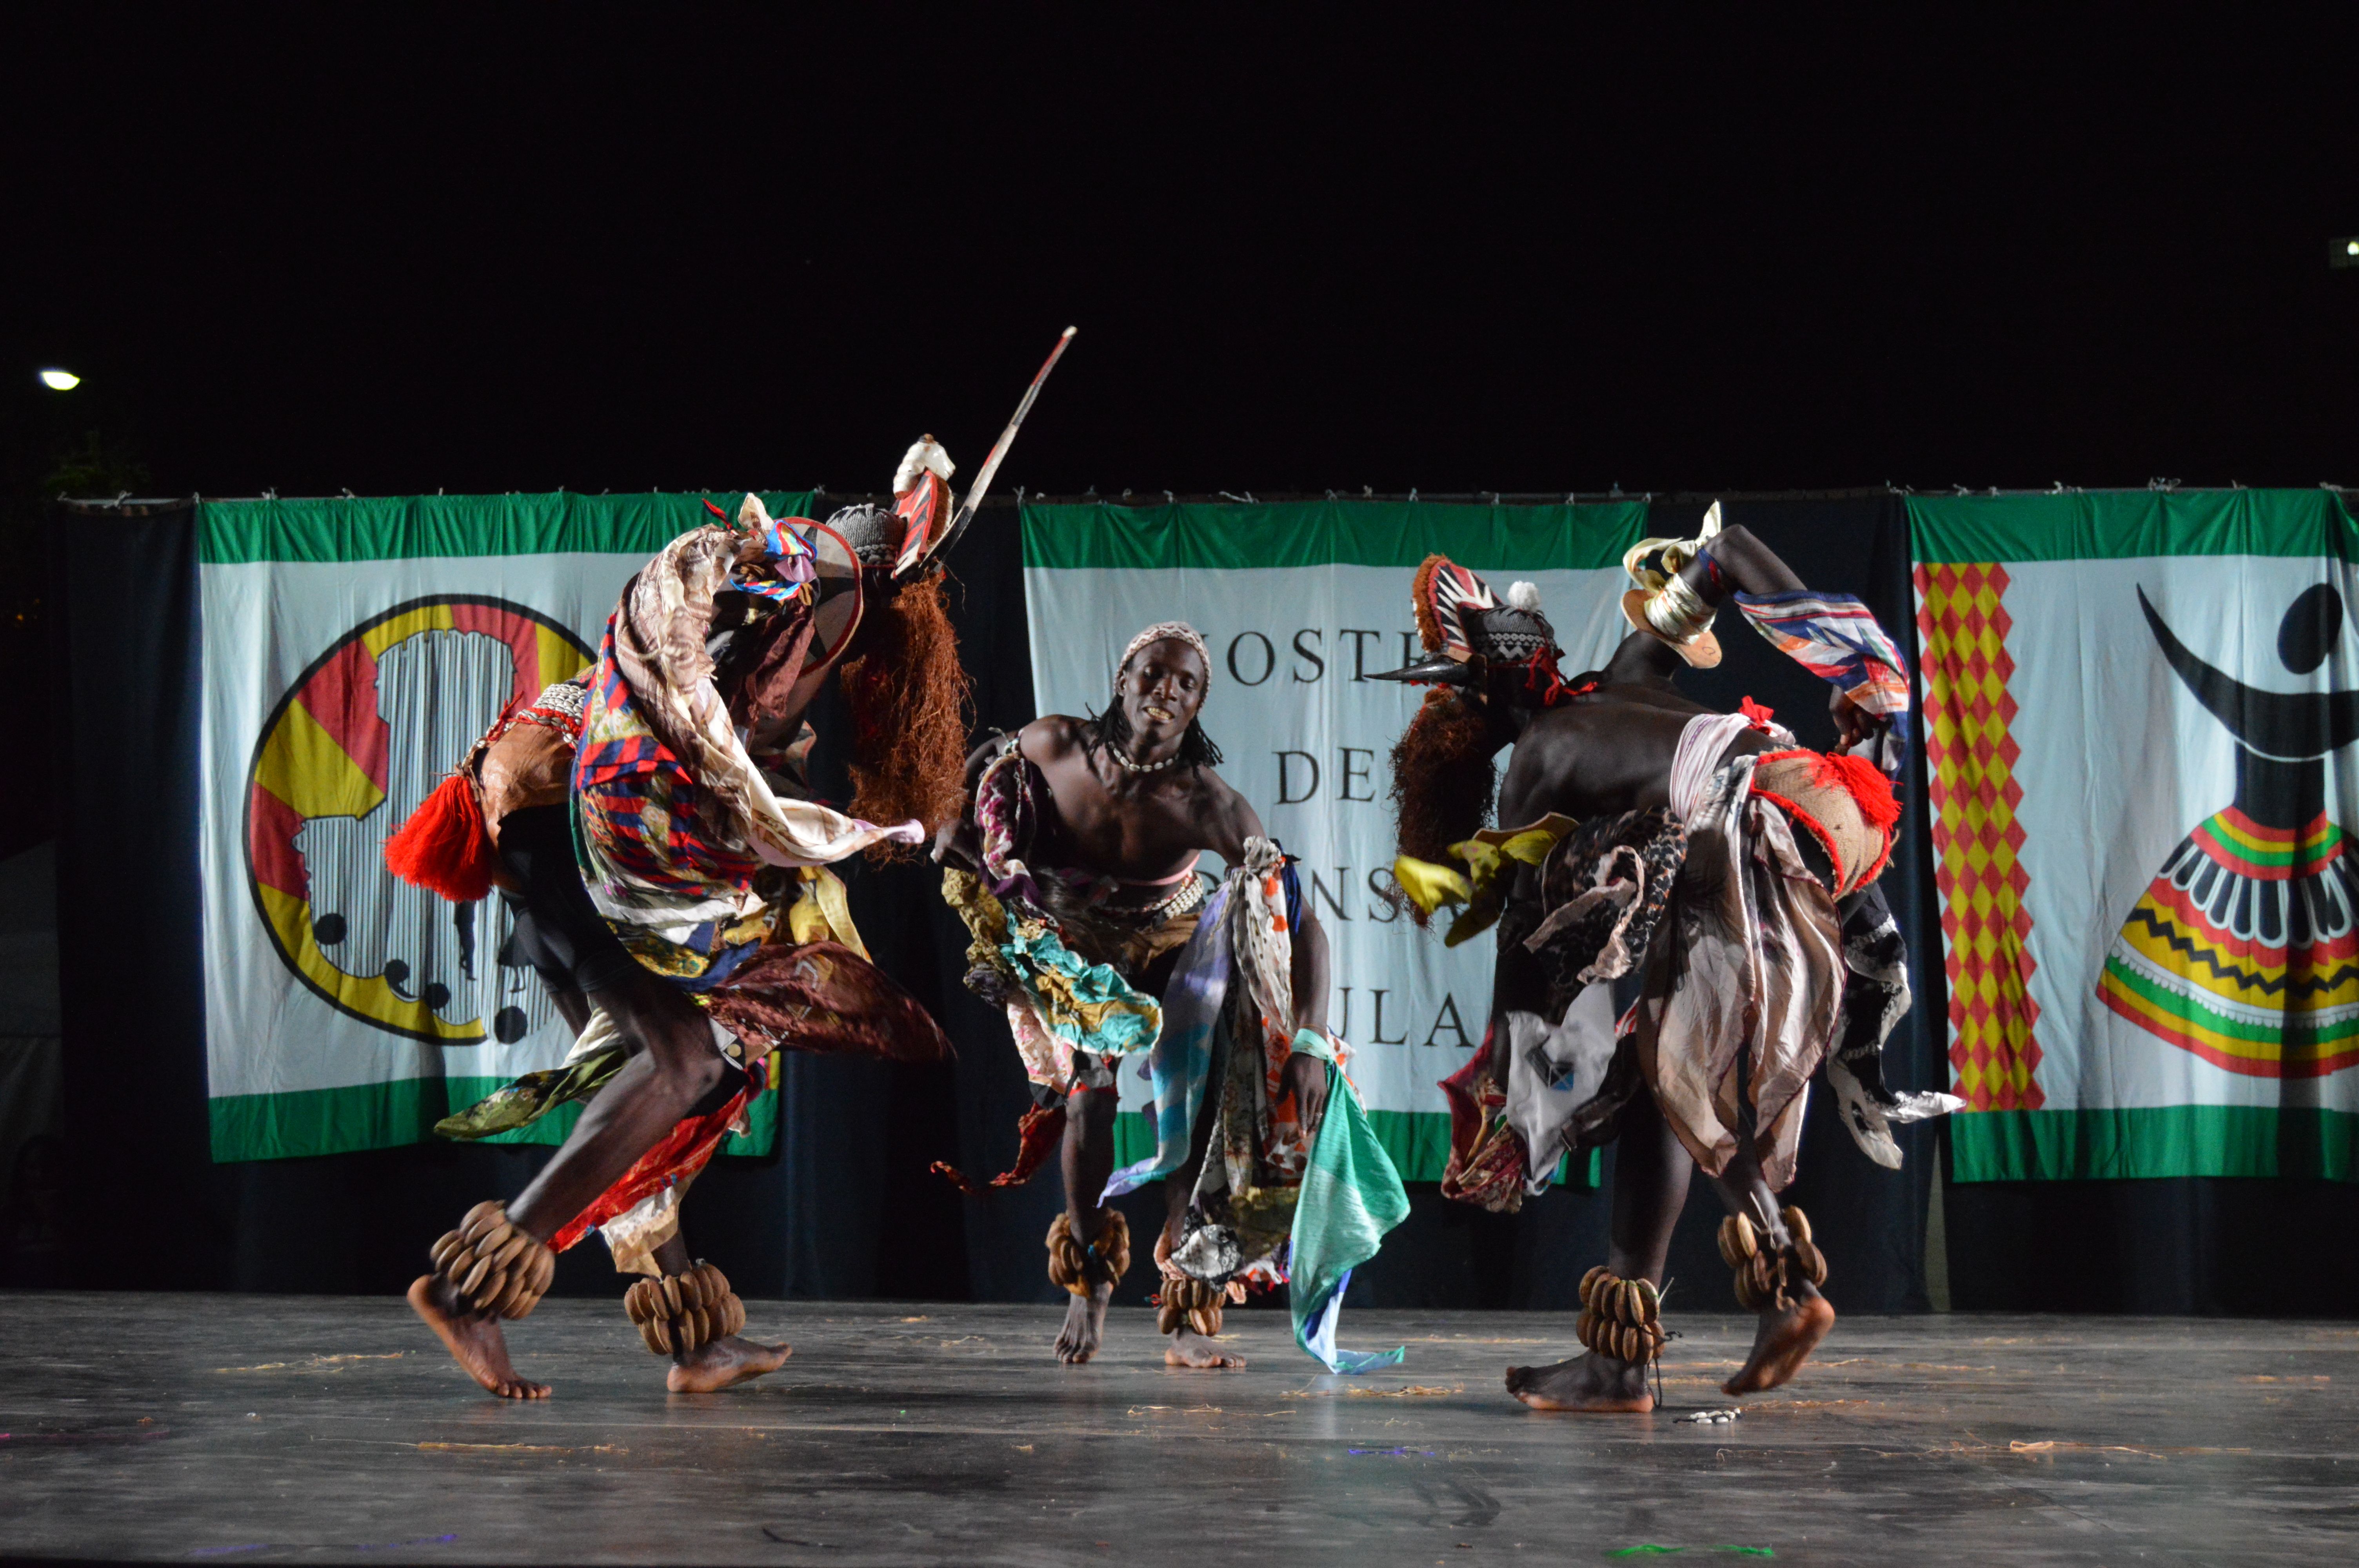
x,y
1301,605
353,650
2139,710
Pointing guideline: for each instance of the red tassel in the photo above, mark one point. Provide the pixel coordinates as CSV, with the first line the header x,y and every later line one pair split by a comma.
x,y
1859,779
444,846
1755,713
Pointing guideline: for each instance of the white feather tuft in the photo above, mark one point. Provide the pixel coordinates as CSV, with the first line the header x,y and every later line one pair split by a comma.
x,y
752,513
1525,596
925,457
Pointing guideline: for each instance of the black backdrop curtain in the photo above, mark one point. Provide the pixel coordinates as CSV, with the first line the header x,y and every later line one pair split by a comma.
x,y
848,1207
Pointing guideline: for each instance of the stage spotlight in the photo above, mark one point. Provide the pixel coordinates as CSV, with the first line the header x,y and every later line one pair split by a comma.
x,y
60,379
2343,252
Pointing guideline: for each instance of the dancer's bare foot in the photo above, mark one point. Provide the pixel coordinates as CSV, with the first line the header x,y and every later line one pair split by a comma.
x,y
721,1362
1084,1328
1190,1349
474,1342
1784,1341
1592,1382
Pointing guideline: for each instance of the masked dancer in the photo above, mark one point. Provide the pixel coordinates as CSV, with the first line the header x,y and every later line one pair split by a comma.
x,y
1688,926
652,825
1075,868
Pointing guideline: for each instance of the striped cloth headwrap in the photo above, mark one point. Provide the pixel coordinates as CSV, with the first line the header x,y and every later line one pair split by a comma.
x,y
1156,634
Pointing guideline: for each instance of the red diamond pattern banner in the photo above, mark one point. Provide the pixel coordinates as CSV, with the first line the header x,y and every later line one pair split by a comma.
x,y
1961,622
2141,732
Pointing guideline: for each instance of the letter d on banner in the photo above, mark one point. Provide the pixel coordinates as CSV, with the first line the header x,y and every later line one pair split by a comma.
x,y
1285,795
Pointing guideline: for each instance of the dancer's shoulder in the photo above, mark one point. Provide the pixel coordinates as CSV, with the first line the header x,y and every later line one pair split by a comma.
x,y
1050,736
1227,816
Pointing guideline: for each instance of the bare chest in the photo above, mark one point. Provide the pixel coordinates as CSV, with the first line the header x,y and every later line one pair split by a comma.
x,y
1134,833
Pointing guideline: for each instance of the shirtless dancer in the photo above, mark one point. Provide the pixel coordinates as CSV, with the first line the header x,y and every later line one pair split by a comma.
x,y
1081,845
655,827
1763,855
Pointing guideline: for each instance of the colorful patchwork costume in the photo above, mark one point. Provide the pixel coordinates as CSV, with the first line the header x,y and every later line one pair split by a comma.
x,y
632,818
1744,918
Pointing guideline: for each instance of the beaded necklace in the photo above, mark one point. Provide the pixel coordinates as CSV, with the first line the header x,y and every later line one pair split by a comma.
x,y
1116,751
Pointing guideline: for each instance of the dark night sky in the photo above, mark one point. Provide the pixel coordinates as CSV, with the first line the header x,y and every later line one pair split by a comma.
x,y
540,248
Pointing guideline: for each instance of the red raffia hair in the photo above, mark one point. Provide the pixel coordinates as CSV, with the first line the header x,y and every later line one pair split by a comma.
x,y
445,847
1420,592
1442,778
908,696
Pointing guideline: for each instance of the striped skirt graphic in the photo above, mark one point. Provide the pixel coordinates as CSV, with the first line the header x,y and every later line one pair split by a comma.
x,y
2244,949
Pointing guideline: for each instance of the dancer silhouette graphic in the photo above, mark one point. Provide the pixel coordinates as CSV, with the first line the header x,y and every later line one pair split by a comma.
x,y
2244,949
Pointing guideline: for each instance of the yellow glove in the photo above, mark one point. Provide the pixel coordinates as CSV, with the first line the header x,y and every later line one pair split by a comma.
x,y
1430,886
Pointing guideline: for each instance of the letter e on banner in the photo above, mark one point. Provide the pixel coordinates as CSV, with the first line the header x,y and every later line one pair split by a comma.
x,y
1359,775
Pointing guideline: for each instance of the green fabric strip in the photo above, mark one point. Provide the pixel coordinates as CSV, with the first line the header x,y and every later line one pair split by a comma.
x,y
330,1121
385,528
1416,1142
2220,828
1585,1174
1134,1138
1333,532
2123,525
306,1122
2189,1005
761,1134
2179,1005
1351,1197
2170,1141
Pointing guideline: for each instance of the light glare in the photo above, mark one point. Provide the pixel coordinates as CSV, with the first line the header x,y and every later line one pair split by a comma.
x,y
60,379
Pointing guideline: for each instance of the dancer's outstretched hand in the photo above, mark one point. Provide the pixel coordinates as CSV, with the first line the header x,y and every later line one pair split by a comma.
x,y
1306,1080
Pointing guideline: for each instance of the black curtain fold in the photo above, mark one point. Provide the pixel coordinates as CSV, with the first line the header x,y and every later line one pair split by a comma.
x,y
130,921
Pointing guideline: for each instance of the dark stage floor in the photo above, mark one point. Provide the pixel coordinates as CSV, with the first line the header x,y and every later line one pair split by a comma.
x,y
257,1429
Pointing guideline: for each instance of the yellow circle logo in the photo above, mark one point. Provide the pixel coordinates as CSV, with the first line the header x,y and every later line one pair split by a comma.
x,y
362,737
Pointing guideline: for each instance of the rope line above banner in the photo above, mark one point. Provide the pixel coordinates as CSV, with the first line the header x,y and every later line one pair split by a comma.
x,y
828,499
